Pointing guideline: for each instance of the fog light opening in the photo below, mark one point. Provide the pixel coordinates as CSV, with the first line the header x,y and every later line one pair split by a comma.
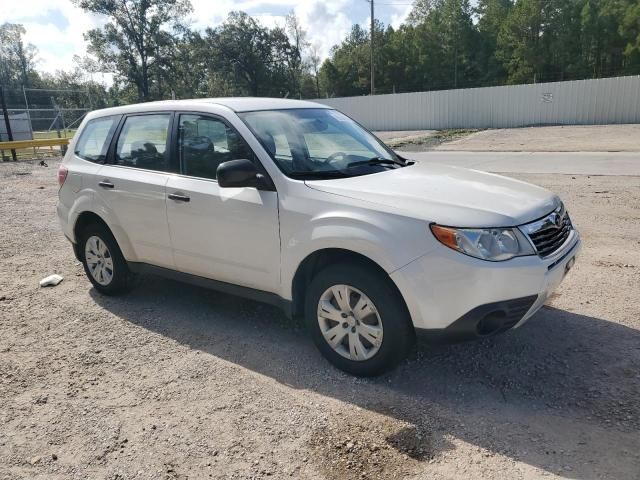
x,y
490,323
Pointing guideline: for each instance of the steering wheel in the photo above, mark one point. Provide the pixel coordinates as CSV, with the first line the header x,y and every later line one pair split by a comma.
x,y
337,156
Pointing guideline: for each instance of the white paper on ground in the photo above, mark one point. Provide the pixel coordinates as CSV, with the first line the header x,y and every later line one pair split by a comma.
x,y
51,280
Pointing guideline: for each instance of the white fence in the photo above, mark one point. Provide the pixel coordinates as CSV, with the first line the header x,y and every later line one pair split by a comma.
x,y
20,127
582,102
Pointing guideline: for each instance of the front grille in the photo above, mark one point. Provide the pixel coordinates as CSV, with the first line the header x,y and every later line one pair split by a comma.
x,y
549,233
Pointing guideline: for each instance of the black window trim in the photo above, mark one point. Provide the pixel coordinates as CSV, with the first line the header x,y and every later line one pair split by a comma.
x,y
118,118
168,154
213,116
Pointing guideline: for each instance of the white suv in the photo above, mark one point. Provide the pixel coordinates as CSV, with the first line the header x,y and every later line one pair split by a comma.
x,y
294,203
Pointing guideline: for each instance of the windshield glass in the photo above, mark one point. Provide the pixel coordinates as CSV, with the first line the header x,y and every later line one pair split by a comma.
x,y
317,143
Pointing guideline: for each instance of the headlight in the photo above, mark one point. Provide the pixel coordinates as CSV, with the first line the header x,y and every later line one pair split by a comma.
x,y
493,244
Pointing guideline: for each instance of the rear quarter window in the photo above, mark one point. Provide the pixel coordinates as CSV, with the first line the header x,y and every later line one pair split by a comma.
x,y
94,140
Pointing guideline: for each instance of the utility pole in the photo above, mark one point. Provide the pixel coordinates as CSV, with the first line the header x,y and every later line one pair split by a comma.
x,y
7,123
373,88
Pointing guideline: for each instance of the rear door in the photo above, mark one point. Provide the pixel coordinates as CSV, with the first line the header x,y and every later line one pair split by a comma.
x,y
131,187
227,234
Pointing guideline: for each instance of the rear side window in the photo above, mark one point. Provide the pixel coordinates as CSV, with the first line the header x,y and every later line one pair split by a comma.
x,y
95,138
143,142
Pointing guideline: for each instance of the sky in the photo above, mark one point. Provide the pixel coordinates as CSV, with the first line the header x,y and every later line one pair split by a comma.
x,y
56,27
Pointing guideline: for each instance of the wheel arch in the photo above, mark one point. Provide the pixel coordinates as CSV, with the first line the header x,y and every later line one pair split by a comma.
x,y
89,217
322,258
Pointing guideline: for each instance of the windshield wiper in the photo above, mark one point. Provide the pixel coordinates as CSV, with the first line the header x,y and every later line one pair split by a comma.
x,y
375,161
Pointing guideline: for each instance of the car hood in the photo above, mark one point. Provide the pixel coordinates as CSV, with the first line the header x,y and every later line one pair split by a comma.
x,y
447,195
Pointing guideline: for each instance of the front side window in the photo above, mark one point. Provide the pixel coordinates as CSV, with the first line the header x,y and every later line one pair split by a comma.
x,y
143,142
206,142
318,142
94,140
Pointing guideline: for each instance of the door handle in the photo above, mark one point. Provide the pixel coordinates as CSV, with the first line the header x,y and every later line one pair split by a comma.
x,y
179,198
106,184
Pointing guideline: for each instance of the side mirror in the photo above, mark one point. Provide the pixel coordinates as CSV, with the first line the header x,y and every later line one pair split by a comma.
x,y
239,173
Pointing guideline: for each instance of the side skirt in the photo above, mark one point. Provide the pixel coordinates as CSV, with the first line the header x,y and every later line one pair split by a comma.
x,y
251,293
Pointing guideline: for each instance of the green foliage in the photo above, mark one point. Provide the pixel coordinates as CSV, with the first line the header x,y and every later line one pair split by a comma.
x,y
630,32
254,60
138,40
17,59
568,39
443,44
449,44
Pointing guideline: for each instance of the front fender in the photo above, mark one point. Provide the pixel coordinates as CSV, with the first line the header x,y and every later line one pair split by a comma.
x,y
389,240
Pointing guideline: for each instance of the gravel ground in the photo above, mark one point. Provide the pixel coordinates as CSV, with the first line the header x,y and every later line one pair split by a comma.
x,y
403,135
569,138
174,382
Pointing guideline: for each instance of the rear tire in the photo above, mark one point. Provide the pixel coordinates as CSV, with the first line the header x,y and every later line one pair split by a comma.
x,y
103,261
362,344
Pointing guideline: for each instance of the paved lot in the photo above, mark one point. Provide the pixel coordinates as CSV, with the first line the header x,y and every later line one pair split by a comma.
x,y
173,381
583,163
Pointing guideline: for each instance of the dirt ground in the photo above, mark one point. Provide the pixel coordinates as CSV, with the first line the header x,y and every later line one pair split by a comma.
x,y
173,381
573,138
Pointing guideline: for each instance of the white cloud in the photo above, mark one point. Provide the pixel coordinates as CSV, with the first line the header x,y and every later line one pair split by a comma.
x,y
57,40
327,22
400,15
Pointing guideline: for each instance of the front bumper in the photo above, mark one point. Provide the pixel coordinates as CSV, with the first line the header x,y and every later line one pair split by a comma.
x,y
459,297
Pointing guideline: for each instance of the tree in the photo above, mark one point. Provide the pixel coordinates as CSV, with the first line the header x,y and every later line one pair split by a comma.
x,y
299,45
447,41
314,65
443,44
186,66
347,72
17,59
254,59
492,16
135,38
630,31
421,10
521,41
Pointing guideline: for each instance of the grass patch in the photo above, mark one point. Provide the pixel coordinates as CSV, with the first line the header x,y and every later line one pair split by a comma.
x,y
54,134
39,152
429,142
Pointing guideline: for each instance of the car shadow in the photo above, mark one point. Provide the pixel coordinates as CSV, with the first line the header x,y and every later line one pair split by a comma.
x,y
561,388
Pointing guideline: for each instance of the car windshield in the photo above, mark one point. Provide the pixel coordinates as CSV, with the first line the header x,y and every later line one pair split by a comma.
x,y
319,143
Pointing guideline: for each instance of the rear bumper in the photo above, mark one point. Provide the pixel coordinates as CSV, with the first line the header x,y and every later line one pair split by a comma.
x,y
454,296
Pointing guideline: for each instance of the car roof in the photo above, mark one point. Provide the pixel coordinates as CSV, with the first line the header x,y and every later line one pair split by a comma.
x,y
236,104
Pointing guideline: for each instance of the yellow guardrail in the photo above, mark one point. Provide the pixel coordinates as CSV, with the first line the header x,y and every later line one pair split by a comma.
x,y
41,142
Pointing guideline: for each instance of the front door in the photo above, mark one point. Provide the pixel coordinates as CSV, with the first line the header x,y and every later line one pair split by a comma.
x,y
227,234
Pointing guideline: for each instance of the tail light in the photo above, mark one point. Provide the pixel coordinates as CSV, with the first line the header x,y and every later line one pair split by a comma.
x,y
62,174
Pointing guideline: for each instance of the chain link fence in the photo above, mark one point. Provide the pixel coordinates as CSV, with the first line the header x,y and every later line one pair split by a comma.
x,y
36,113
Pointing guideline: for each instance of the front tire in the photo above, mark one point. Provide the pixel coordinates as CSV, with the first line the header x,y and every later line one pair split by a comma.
x,y
103,261
357,319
